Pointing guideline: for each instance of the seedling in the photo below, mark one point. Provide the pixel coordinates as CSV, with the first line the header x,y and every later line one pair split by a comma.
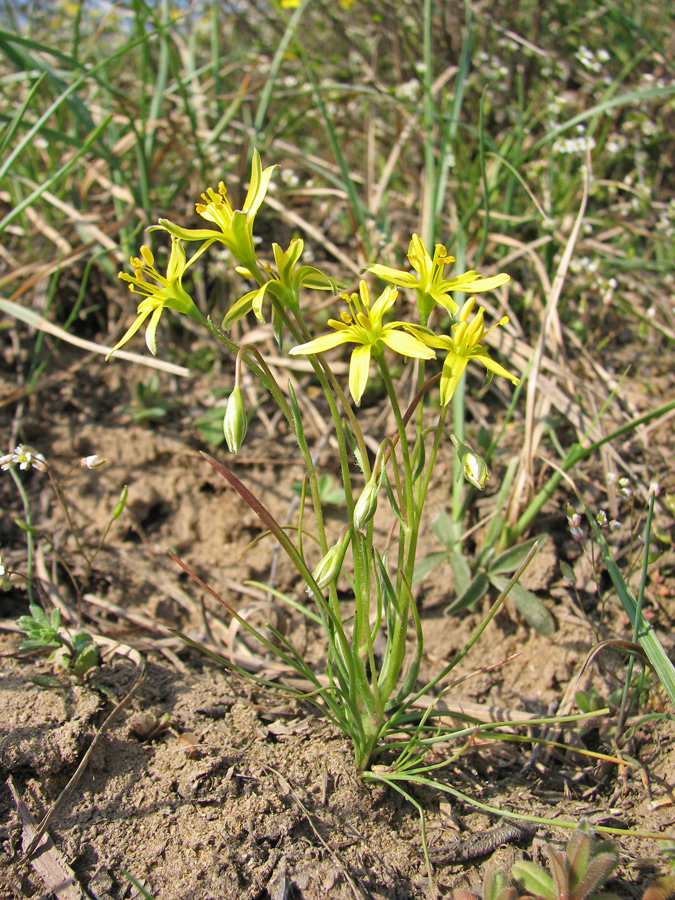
x,y
577,874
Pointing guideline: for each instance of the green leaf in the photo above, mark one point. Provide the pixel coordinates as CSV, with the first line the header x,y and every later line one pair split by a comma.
x,y
428,564
445,530
578,855
476,589
25,526
510,559
44,680
597,873
646,635
534,880
461,570
35,643
530,607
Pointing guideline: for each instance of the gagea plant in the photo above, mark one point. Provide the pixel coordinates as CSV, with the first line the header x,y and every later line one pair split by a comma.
x,y
367,693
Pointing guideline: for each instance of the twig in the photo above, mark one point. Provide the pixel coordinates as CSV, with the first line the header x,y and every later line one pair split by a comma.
x,y
49,863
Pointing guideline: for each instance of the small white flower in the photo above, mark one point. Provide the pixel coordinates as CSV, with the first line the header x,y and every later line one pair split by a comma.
x,y
24,457
92,462
5,583
655,488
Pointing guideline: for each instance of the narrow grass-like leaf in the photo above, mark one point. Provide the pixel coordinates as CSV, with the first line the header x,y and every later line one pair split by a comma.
x,y
649,642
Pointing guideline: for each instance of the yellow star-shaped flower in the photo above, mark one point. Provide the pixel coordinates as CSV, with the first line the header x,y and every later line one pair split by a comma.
x,y
363,325
464,345
429,284
162,291
235,225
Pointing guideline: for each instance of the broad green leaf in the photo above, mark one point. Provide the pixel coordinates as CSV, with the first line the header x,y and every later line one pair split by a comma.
x,y
444,529
530,607
476,589
534,880
510,559
461,570
426,565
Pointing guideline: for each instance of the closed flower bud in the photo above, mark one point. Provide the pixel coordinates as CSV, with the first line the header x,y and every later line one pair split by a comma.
x,y
367,503
329,566
234,423
474,467
92,462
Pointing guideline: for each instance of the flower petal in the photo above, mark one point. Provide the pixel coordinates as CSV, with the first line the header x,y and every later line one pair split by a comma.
x,y
258,187
406,344
358,371
186,234
444,300
151,330
394,276
481,355
322,343
472,281
135,325
453,369
383,303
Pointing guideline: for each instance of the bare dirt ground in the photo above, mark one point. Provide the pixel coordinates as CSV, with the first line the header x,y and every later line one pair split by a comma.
x,y
209,787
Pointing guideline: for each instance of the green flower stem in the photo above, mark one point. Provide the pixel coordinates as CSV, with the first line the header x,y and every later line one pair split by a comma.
x,y
337,421
403,439
458,483
30,542
429,471
395,656
346,405
372,710
311,474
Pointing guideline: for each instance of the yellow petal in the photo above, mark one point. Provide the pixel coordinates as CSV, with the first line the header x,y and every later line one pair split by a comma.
x,y
394,276
322,343
406,344
135,325
151,331
453,369
481,355
358,372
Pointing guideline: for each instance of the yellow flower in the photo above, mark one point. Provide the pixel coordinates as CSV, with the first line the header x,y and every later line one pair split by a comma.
x,y
285,284
429,284
236,225
168,291
363,325
463,346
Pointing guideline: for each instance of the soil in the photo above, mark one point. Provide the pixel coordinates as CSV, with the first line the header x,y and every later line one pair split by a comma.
x,y
209,786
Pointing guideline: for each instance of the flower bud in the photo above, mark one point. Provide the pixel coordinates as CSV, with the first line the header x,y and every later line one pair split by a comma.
x,y
329,566
235,423
92,462
366,505
474,467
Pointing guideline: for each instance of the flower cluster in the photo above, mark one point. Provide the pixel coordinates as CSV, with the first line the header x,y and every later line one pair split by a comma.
x,y
24,457
363,324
